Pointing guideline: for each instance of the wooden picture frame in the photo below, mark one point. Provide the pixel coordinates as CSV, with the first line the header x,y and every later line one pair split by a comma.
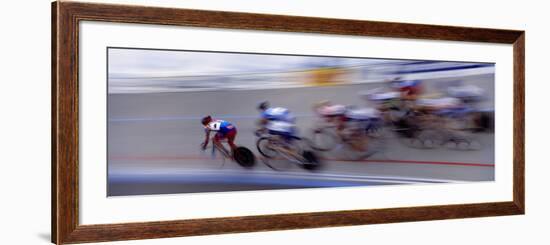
x,y
65,121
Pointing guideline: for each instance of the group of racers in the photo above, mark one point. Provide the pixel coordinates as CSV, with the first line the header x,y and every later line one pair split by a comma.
x,y
280,122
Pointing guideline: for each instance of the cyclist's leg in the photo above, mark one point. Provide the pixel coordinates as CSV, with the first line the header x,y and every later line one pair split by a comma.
x,y
341,126
217,142
287,138
293,151
231,135
358,138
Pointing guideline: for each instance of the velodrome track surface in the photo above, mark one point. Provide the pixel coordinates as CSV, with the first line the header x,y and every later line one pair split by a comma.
x,y
154,138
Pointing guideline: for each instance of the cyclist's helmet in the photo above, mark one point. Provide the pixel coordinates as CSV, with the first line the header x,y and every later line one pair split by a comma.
x,y
263,106
205,120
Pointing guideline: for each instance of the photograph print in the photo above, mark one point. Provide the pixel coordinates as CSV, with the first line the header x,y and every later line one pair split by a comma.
x,y
194,121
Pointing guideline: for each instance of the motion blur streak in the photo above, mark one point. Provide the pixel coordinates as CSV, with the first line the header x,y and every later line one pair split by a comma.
x,y
380,161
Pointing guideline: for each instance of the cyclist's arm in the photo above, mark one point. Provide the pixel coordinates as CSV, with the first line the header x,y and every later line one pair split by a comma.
x,y
206,138
261,122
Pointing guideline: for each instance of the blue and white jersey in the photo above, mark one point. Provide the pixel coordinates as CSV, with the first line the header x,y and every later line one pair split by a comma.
x,y
362,114
277,114
280,126
220,126
384,96
406,83
285,129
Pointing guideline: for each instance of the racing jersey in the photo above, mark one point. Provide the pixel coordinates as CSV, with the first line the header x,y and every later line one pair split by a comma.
x,y
410,87
332,110
362,114
220,126
439,103
277,114
384,96
280,126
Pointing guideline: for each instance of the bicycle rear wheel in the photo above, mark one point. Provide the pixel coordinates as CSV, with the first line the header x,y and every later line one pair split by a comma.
x,y
312,161
244,157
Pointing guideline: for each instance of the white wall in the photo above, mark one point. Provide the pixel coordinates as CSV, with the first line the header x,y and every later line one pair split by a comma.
x,y
25,120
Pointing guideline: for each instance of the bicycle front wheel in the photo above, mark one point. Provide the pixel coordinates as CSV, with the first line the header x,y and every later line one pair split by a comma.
x,y
323,140
264,147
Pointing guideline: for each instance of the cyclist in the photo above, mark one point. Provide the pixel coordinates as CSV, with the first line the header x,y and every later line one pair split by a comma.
x,y
279,123
410,89
332,114
358,123
361,118
223,129
388,103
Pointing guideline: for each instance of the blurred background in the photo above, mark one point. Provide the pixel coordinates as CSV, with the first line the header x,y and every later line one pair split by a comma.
x,y
443,133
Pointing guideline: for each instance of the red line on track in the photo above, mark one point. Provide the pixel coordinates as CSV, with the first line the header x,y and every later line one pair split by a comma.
x,y
153,158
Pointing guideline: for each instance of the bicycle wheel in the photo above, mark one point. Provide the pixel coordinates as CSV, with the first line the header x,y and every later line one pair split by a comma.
x,y
312,162
244,157
262,144
323,140
429,139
